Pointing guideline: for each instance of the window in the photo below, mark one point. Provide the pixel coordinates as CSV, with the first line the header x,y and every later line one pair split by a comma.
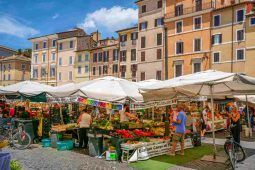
x,y
143,25
196,67
216,20
95,57
9,67
43,72
133,54
178,26
70,60
105,69
44,57
70,75
35,58
178,70
54,43
240,15
87,57
179,10
159,22
240,54
79,58
143,42
106,56
23,67
4,77
9,77
53,56
216,57
79,69
252,21
197,45
86,69
142,76
240,35
100,70
71,44
60,61
179,48
94,71
134,36
158,75
36,46
198,5
115,68
160,4
123,38
123,56
44,44
60,46
143,8
217,39
159,39
52,71
115,55
159,54
123,71
100,57
197,23
143,56
59,76
35,73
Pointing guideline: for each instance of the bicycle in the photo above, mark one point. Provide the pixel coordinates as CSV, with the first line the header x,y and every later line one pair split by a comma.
x,y
17,137
233,149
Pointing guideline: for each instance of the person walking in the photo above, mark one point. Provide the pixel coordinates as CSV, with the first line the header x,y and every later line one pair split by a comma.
x,y
236,123
84,123
179,134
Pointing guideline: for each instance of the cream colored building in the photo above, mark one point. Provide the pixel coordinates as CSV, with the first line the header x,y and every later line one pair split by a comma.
x,y
128,53
232,38
53,56
14,69
151,40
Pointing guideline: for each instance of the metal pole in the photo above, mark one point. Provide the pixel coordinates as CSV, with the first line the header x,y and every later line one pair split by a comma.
x,y
248,116
213,129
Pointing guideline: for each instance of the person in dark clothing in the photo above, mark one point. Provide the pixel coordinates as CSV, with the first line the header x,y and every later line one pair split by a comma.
x,y
235,121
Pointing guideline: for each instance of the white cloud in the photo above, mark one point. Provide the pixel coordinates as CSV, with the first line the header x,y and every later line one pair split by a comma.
x,y
111,19
11,26
55,16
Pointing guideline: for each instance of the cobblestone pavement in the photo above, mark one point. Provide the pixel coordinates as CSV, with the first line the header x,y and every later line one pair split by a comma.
x,y
39,158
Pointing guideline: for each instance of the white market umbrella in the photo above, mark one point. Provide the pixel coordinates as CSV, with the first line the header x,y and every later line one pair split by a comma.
x,y
147,83
112,89
206,83
27,88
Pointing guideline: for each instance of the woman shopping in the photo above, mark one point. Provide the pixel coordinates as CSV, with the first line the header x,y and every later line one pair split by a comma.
x,y
236,124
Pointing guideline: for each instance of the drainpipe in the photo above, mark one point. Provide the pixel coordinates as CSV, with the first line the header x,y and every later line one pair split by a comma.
x,y
166,54
232,44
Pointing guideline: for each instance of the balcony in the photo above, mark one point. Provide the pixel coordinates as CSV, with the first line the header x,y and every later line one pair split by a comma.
x,y
190,10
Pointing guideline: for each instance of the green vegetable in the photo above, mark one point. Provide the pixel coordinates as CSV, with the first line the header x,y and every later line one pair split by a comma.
x,y
15,165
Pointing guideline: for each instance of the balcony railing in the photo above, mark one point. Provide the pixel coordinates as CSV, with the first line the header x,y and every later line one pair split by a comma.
x,y
189,10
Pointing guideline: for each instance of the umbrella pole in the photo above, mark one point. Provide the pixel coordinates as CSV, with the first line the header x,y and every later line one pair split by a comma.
x,y
213,129
248,116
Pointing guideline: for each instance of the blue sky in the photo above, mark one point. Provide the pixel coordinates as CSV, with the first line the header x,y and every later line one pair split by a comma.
x,y
21,19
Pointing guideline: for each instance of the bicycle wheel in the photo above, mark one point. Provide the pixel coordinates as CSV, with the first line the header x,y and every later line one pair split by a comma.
x,y
21,140
240,154
229,149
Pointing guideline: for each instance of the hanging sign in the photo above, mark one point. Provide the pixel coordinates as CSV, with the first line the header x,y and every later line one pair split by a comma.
x,y
101,104
62,99
146,105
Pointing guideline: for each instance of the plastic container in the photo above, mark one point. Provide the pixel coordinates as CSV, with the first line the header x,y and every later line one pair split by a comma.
x,y
46,143
111,155
69,144
61,146
5,160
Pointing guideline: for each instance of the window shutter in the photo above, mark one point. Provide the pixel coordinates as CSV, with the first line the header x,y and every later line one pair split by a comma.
x,y
156,22
140,26
220,38
213,39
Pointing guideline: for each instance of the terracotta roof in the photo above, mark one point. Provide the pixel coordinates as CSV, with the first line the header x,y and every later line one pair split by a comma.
x,y
8,48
